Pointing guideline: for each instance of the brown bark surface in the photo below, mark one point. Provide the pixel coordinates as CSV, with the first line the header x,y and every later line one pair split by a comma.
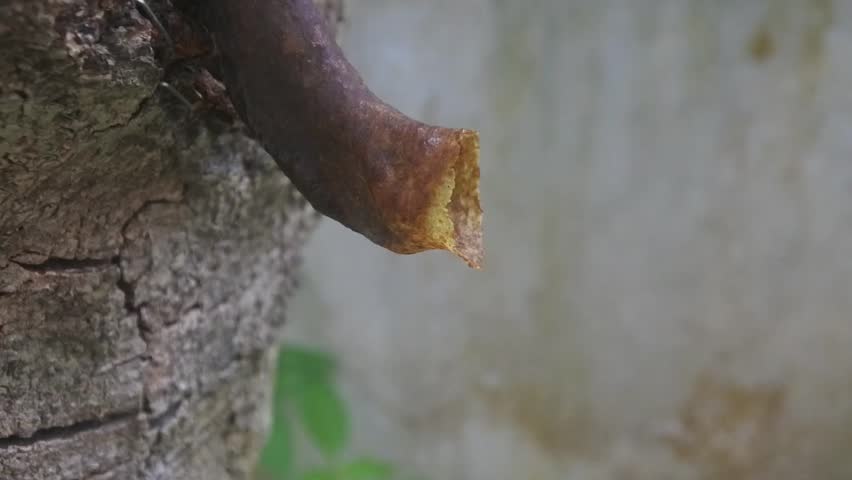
x,y
145,255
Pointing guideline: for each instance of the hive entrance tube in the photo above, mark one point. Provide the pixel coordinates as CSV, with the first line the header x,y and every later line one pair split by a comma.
x,y
405,185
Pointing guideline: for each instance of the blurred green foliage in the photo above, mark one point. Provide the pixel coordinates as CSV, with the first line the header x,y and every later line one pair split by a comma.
x,y
307,399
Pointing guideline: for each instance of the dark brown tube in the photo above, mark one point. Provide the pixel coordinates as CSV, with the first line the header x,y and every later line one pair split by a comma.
x,y
404,185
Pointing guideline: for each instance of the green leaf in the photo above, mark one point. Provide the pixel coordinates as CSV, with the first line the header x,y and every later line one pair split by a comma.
x,y
276,459
298,366
365,469
324,417
319,474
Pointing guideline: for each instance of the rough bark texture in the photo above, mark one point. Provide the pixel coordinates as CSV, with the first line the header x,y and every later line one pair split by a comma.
x,y
145,253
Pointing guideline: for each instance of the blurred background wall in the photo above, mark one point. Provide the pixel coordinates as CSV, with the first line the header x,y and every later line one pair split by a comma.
x,y
667,188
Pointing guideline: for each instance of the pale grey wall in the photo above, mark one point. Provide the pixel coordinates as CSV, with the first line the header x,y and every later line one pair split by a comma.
x,y
667,187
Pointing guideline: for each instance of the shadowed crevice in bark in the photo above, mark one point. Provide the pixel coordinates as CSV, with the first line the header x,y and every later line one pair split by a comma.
x,y
65,432
66,265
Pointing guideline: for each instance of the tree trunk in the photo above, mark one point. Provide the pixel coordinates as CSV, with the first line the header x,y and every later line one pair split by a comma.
x,y
145,254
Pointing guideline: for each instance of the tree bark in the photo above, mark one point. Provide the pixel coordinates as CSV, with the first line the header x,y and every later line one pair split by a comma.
x,y
146,251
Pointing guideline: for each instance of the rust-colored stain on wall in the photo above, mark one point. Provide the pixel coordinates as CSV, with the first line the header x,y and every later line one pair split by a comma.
x,y
814,41
729,429
541,413
761,46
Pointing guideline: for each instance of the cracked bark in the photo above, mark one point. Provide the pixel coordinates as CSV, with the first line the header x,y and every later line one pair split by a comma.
x,y
145,256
